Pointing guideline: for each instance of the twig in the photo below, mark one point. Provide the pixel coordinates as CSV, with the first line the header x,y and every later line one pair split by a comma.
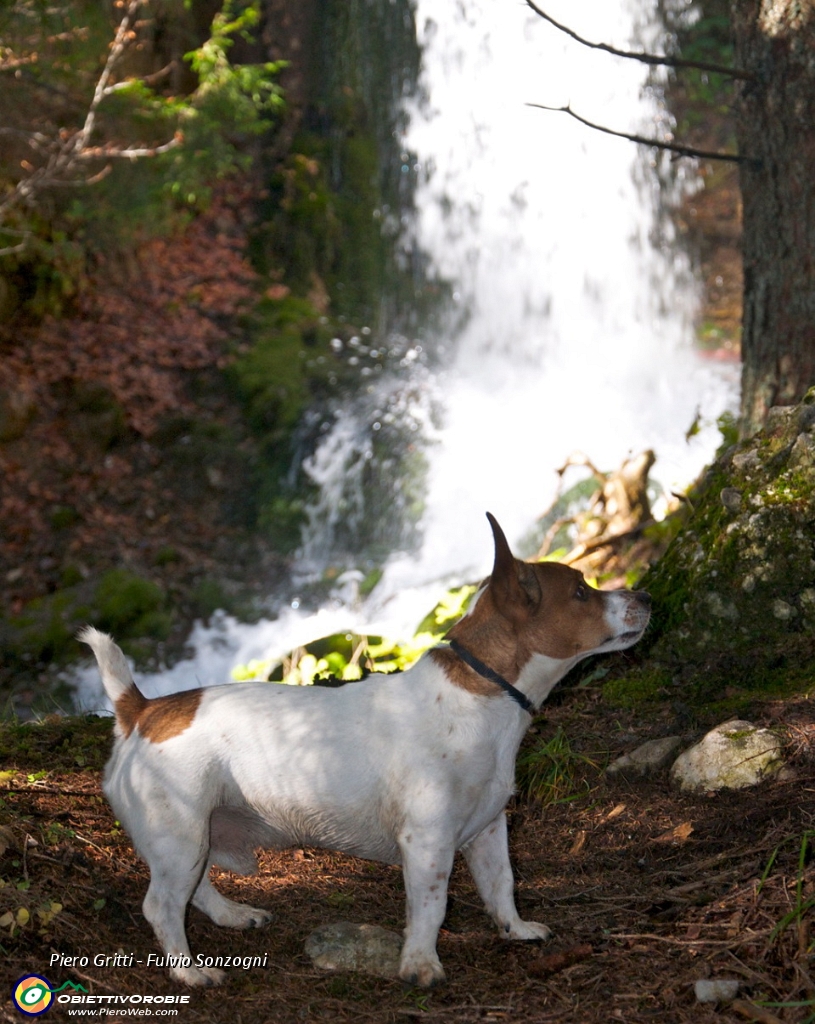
x,y
605,541
755,1013
96,981
109,152
55,790
642,140
720,943
646,58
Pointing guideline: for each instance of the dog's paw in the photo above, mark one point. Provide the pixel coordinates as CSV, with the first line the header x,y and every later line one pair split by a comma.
x,y
527,931
240,916
258,918
198,977
421,971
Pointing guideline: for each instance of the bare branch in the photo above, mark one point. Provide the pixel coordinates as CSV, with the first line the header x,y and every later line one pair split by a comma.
x,y
119,40
110,152
67,153
642,140
76,182
645,58
146,79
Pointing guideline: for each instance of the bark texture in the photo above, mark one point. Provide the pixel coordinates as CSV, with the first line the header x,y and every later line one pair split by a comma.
x,y
775,40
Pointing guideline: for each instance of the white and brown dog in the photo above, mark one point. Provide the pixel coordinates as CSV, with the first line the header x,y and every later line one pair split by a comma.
x,y
405,768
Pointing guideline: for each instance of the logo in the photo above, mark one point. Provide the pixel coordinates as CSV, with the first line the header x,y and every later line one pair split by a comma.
x,y
32,994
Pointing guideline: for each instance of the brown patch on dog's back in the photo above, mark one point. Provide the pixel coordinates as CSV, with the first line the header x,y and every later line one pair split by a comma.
x,y
159,719
128,708
169,716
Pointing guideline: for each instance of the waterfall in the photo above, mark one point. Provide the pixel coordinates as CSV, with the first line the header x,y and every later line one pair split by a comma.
x,y
577,325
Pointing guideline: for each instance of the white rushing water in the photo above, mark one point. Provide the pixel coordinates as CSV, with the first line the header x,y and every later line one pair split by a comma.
x,y
579,334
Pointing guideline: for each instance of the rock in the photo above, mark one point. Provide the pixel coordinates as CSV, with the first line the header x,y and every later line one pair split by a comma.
x,y
365,948
747,460
730,611
648,757
731,498
732,756
716,990
802,455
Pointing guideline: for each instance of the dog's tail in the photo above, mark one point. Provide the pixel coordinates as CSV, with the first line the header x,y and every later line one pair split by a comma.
x,y
116,676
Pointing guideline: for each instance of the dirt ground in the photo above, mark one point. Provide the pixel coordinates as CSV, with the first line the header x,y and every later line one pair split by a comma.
x,y
646,891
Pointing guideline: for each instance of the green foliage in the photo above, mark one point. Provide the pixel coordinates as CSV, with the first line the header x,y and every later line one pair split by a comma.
x,y
728,425
244,91
230,106
348,656
134,608
449,609
707,38
130,605
271,375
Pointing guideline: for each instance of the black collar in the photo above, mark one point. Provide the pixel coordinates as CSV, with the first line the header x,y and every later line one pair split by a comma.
x,y
488,673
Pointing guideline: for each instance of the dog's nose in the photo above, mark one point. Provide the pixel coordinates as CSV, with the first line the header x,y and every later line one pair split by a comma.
x,y
643,597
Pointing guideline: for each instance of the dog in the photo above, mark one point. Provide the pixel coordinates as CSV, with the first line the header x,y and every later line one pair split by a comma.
x,y
407,768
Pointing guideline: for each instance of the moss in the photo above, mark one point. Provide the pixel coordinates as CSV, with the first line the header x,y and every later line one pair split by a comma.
x,y
646,686
129,605
270,375
56,744
122,602
732,595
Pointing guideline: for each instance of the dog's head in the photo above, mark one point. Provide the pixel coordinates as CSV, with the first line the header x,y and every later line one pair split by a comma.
x,y
554,612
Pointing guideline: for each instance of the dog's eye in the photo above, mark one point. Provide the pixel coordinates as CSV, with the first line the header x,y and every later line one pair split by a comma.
x,y
582,592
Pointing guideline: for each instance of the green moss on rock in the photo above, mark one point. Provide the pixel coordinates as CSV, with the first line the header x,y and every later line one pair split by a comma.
x,y
734,595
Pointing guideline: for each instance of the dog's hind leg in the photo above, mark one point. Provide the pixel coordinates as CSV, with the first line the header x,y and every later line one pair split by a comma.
x,y
234,833
488,859
225,912
176,867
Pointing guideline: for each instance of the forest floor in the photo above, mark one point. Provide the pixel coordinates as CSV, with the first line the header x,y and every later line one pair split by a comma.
x,y
646,891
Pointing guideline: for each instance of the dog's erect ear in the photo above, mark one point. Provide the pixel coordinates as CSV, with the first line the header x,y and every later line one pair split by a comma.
x,y
514,584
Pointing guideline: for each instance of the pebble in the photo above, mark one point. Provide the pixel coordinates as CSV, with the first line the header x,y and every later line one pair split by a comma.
x,y
716,990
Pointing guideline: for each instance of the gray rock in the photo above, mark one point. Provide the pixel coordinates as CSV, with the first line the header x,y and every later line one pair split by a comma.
x,y
731,498
732,756
364,948
716,990
747,460
647,758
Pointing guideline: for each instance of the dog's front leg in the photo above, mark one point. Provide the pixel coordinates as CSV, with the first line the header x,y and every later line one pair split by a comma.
x,y
488,859
426,866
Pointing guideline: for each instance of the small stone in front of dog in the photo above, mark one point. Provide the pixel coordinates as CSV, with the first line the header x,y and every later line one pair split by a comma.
x,y
364,948
716,990
648,757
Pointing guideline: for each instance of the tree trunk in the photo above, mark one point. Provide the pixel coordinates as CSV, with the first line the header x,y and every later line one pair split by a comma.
x,y
775,122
